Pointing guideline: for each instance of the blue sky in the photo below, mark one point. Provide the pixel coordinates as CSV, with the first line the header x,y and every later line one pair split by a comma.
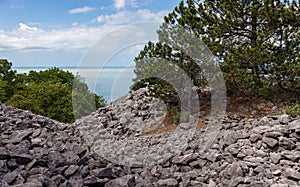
x,y
60,32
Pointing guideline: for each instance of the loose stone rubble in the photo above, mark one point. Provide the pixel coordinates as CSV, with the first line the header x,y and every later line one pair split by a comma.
x,y
116,131
36,151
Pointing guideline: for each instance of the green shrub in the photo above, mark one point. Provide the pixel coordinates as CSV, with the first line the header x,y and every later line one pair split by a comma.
x,y
293,110
181,117
48,93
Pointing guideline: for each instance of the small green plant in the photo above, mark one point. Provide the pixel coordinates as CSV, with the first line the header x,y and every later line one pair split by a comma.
x,y
184,117
293,110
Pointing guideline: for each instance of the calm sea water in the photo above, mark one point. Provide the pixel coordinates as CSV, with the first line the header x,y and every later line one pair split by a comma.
x,y
110,82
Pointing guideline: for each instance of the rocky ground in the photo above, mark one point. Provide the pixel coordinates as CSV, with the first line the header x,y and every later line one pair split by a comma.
x,y
108,149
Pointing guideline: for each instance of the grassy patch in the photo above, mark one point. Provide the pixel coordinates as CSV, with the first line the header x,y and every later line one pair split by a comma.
x,y
293,110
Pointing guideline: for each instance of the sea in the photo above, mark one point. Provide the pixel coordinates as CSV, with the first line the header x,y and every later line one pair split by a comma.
x,y
109,82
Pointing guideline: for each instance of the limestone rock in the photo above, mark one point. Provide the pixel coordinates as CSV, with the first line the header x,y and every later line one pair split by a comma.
x,y
125,181
167,182
242,151
270,141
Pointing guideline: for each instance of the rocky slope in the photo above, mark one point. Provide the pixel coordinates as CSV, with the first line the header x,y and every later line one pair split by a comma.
x,y
237,151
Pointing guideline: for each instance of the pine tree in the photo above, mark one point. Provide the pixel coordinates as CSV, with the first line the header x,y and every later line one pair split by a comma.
x,y
256,42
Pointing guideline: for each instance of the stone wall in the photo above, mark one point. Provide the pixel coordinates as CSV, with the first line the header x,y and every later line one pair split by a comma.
x,y
37,151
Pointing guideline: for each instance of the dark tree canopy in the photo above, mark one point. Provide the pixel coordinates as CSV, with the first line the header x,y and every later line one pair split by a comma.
x,y
48,93
7,80
257,44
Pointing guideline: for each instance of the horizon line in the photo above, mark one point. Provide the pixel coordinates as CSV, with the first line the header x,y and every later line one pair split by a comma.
x,y
68,67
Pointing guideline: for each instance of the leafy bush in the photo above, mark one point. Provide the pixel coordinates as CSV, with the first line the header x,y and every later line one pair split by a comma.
x,y
293,110
48,93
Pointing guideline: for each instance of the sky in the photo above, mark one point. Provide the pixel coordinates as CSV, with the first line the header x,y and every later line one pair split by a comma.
x,y
64,32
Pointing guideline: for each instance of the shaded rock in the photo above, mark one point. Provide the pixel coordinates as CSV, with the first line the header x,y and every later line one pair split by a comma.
x,y
30,184
230,138
3,184
23,158
233,149
58,179
4,153
125,181
94,181
290,173
279,185
232,171
167,182
18,136
244,152
284,119
294,125
236,181
270,141
10,177
275,157
103,173
273,134
183,159
287,143
71,170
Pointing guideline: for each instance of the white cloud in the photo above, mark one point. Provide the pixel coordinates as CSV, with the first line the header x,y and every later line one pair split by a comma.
x,y
133,3
24,27
74,24
15,6
100,19
122,4
125,17
80,10
27,38
30,37
119,4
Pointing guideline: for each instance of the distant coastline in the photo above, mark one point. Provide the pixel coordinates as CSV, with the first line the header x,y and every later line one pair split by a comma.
x,y
110,82
72,67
